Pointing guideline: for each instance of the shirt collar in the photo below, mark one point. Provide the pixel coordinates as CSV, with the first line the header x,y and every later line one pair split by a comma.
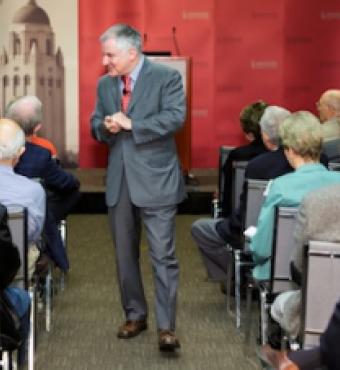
x,y
135,72
6,168
310,167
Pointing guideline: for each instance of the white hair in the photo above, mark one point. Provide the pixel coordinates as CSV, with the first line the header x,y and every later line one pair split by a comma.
x,y
12,138
272,118
26,111
124,35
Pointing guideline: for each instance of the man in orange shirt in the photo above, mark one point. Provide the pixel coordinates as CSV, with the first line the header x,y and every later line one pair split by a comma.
x,y
32,128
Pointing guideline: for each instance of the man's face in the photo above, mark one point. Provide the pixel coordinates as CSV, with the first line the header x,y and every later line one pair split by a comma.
x,y
117,60
266,141
324,109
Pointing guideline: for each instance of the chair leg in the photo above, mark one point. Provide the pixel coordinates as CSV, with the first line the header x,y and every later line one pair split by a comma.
x,y
229,279
31,337
237,257
63,232
248,322
14,360
48,297
264,317
5,360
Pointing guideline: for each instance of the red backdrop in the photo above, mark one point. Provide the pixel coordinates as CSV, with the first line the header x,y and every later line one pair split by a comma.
x,y
284,52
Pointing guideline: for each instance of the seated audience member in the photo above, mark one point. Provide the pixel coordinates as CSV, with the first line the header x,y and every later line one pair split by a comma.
x,y
249,119
324,356
211,235
62,188
318,219
9,265
19,190
329,114
32,130
302,141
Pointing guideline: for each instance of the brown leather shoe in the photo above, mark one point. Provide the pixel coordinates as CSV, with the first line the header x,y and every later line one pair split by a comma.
x,y
131,329
167,341
277,359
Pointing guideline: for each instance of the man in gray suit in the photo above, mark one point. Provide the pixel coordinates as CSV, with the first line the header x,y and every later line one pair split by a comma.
x,y
140,105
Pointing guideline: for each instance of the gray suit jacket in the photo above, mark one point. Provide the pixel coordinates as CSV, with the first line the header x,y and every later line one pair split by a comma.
x,y
147,154
318,219
331,129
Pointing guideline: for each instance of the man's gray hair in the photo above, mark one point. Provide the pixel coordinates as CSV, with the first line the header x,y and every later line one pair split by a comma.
x,y
26,111
12,138
272,118
125,36
332,99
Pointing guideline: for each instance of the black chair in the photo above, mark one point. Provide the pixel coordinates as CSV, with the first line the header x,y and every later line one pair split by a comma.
x,y
334,166
224,152
332,149
17,223
320,290
241,257
279,281
239,169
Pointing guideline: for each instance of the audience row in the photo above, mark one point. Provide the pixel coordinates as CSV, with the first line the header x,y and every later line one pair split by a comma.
x,y
285,148
296,165
31,177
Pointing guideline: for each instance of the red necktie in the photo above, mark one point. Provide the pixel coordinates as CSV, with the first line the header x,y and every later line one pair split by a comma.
x,y
126,94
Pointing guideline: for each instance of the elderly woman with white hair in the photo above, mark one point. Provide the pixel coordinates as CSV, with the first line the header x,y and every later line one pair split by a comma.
x,y
301,139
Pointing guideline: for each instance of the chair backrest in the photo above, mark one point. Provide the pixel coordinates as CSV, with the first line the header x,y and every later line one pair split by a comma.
x,y
334,166
238,180
223,155
321,289
283,243
255,198
332,149
17,223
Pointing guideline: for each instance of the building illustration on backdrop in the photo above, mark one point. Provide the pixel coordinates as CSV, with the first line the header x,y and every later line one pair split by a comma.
x,y
32,65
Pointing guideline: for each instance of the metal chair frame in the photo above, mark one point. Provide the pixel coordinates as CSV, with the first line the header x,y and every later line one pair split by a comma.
x,y
239,260
279,272
17,223
320,256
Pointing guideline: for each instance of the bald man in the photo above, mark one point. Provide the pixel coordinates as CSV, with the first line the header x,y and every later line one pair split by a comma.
x,y
329,113
16,189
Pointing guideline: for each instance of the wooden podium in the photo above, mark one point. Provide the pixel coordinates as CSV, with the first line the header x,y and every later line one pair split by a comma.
x,y
183,137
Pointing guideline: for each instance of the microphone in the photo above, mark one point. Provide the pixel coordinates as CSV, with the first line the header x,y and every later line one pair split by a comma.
x,y
174,39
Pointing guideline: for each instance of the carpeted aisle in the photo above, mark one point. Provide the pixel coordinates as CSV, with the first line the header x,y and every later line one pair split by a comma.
x,y
87,314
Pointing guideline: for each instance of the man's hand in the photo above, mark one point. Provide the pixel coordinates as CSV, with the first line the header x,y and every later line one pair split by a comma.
x,y
111,125
122,120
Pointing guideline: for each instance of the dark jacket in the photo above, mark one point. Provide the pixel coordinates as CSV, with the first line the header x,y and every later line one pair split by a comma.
x,y
36,162
242,153
9,255
329,341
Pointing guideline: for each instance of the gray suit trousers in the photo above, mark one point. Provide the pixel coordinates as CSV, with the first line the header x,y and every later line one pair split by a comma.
x,y
125,219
